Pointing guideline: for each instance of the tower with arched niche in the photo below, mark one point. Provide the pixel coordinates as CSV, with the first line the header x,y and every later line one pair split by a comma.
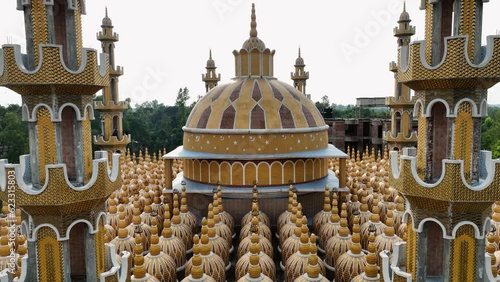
x,y
448,182
59,187
401,104
211,78
112,138
300,76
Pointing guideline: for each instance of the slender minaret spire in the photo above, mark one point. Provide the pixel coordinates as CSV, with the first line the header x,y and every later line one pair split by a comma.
x,y
211,78
401,104
253,23
300,76
112,138
254,59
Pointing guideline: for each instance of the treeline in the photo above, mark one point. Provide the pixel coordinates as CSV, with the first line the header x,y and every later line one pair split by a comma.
x,y
155,126
332,110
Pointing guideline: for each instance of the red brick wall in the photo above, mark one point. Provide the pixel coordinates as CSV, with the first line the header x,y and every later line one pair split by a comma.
x,y
440,135
68,141
77,249
435,248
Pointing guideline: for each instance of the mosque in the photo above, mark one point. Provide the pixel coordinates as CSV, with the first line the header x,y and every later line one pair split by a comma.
x,y
255,193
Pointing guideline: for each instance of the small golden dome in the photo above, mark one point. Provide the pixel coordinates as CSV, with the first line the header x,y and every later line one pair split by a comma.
x,y
255,257
312,273
222,229
341,242
292,243
330,228
186,216
323,216
212,264
197,274
263,228
285,216
375,221
225,217
180,229
172,245
289,229
404,17
296,265
244,245
219,245
158,263
352,263
255,205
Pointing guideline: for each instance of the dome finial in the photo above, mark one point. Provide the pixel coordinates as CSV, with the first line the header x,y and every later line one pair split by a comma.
x,y
253,24
210,54
299,53
106,11
404,6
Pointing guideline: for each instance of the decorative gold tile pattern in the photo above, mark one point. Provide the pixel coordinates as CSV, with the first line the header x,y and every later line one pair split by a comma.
x,y
468,24
49,256
463,134
455,72
255,143
463,255
52,76
46,142
422,139
411,249
78,31
40,31
429,9
87,147
99,248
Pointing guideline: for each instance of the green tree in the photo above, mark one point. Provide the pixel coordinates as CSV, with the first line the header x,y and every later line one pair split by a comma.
x,y
13,134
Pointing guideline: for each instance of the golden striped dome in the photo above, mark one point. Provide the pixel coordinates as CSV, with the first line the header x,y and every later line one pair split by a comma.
x,y
225,217
296,265
244,245
157,263
340,243
251,103
292,243
212,264
186,216
264,229
352,263
289,229
285,216
323,216
331,228
179,228
312,271
197,274
263,218
265,263
172,245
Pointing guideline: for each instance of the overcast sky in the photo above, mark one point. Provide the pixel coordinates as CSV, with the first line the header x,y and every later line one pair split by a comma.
x,y
346,45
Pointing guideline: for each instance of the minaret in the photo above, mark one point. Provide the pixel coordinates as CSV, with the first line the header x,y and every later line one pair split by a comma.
x,y
300,76
60,189
401,104
450,184
211,78
112,138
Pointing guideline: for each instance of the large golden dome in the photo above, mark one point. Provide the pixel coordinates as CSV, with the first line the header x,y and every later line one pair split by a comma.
x,y
255,104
